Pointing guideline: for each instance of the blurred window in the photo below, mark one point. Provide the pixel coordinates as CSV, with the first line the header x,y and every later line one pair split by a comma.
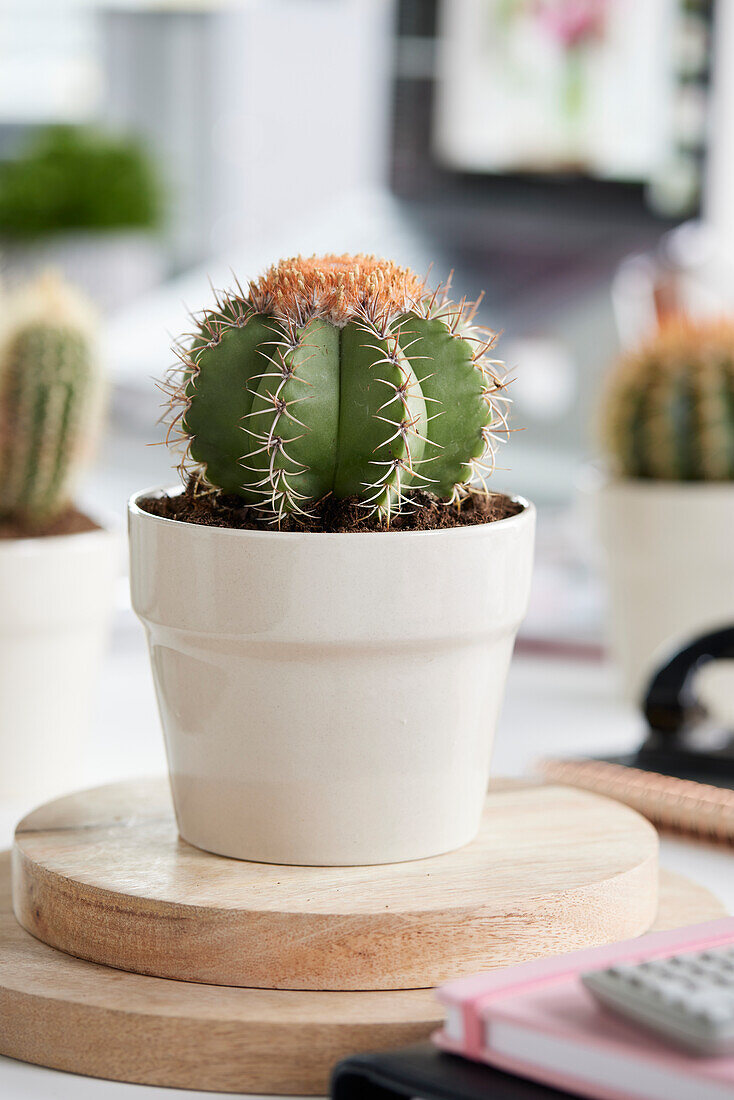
x,y
49,62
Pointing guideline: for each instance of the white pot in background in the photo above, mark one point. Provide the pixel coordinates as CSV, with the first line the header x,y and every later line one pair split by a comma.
x,y
669,556
329,698
56,597
113,268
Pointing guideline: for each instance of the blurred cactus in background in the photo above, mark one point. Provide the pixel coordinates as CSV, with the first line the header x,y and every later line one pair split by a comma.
x,y
339,376
50,398
73,177
668,410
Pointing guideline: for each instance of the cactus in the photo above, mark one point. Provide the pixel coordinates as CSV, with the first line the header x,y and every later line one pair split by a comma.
x,y
338,375
668,411
49,400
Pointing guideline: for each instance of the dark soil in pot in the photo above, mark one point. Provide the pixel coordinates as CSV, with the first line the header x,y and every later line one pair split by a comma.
x,y
213,508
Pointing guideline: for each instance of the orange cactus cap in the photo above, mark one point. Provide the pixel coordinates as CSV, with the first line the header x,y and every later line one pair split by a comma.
x,y
338,288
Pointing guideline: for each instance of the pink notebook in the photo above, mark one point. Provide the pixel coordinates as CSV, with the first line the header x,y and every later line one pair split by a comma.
x,y
538,1021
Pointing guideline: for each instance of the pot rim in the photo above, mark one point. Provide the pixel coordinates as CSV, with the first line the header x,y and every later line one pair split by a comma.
x,y
39,543
595,476
474,530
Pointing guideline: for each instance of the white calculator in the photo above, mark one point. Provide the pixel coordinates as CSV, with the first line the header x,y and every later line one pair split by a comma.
x,y
687,999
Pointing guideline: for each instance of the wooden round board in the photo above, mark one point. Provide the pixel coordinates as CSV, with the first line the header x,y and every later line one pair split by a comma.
x,y
74,1015
104,876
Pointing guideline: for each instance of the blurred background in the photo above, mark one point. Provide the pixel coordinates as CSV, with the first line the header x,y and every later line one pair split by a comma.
x,y
530,147
570,158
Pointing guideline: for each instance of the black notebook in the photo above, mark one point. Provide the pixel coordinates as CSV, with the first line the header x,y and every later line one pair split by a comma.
x,y
426,1073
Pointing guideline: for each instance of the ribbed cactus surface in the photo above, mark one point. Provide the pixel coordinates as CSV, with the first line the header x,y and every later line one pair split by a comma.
x,y
340,375
48,400
668,411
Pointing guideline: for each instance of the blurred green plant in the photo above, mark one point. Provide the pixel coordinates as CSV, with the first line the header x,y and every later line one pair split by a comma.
x,y
78,178
51,399
668,408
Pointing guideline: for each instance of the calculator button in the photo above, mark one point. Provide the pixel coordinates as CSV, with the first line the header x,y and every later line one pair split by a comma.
x,y
687,999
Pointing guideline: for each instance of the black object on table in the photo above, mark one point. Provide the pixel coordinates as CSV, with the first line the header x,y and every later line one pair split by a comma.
x,y
424,1071
675,716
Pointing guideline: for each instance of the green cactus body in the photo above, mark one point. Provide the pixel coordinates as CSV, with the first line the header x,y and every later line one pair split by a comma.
x,y
451,383
338,376
668,412
47,383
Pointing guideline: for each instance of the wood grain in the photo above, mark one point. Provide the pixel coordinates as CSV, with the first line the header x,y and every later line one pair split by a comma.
x,y
104,876
73,1015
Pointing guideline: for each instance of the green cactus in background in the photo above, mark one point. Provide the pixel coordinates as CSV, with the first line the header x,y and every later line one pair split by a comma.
x,y
340,375
668,411
50,405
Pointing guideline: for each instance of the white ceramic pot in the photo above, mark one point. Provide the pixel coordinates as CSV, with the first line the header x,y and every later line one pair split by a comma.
x,y
669,557
56,596
113,268
329,698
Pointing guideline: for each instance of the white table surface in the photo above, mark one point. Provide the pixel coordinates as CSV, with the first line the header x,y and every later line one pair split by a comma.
x,y
552,705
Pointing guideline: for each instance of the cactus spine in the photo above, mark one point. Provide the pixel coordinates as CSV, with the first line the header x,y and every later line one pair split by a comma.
x,y
668,411
338,375
49,400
